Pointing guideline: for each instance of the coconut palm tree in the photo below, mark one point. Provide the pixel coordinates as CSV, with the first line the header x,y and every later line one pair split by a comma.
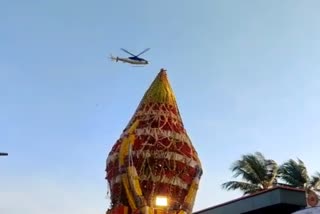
x,y
257,174
295,174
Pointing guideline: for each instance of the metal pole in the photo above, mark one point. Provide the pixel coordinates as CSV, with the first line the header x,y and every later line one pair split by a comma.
x,y
3,154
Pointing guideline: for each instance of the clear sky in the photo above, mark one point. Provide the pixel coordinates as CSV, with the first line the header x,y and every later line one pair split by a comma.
x,y
245,74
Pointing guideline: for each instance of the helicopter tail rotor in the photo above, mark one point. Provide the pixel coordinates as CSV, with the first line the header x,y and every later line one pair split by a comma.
x,y
114,58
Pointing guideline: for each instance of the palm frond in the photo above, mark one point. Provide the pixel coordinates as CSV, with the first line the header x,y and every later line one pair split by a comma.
x,y
253,168
247,188
294,173
243,169
315,181
256,171
257,163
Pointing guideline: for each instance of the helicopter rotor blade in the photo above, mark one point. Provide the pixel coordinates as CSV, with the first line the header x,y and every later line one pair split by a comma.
x,y
128,52
143,51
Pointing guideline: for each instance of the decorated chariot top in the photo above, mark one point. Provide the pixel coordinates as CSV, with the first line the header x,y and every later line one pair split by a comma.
x,y
154,158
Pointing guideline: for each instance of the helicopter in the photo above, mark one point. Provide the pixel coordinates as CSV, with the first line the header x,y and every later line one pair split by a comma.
x,y
134,59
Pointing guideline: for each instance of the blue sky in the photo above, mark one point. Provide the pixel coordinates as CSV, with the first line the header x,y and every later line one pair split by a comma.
x,y
245,74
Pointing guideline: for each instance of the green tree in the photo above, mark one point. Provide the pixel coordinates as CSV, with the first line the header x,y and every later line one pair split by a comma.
x,y
257,174
295,174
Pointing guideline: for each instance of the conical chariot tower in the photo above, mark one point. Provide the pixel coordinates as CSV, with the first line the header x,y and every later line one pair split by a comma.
x,y
153,167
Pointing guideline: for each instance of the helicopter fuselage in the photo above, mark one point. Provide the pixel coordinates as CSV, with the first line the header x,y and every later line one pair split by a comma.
x,y
131,60
134,59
